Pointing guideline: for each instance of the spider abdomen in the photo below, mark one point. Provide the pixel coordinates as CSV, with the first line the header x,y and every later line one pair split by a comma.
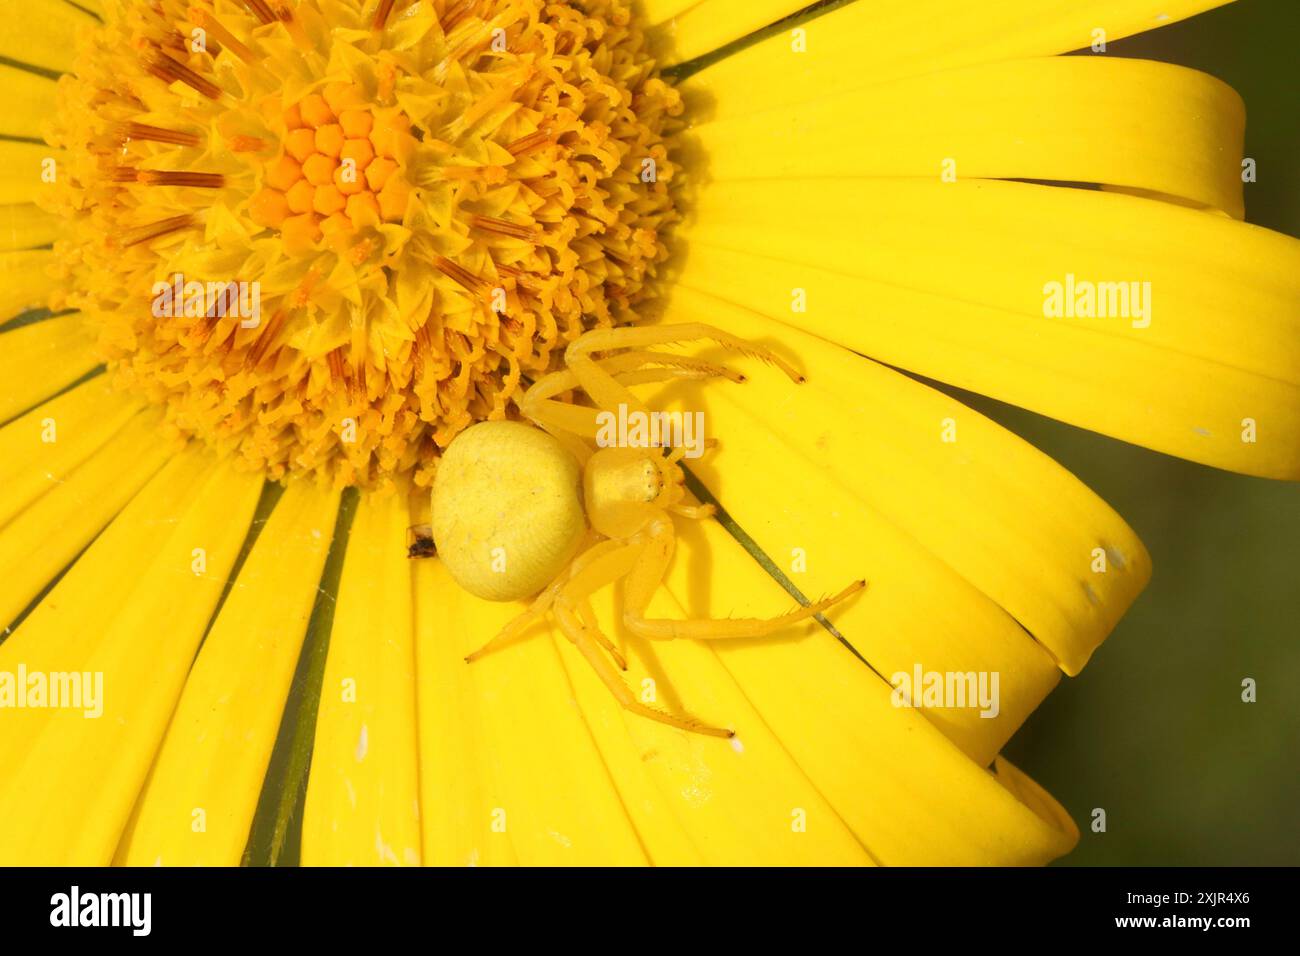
x,y
507,509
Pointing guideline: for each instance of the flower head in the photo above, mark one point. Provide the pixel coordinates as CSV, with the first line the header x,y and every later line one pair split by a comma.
x,y
432,202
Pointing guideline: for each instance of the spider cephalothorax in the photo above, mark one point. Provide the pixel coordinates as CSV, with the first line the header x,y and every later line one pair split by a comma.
x,y
521,510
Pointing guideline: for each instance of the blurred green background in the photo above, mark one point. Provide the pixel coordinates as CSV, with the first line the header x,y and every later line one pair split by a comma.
x,y
1154,730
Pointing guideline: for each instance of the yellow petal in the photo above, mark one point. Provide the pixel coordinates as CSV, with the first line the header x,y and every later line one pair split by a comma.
x,y
456,814
25,173
691,799
42,33
657,11
39,359
25,226
23,281
212,762
133,610
956,281
738,802
834,532
703,27
908,793
863,43
741,802
528,731
1071,119
883,495
40,448
64,630
48,533
363,801
29,102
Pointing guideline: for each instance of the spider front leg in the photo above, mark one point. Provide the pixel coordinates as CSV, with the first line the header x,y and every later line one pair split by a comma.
x,y
696,512
646,577
540,405
608,393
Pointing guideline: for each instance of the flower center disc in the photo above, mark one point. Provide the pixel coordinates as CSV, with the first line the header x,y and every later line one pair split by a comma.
x,y
328,236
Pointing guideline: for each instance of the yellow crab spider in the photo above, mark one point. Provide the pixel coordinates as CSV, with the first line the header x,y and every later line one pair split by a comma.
x,y
536,510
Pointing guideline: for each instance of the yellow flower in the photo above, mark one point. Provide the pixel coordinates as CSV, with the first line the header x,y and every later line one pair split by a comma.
x,y
433,199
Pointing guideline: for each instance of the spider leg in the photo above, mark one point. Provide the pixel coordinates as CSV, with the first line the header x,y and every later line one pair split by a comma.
x,y
542,603
565,422
600,564
520,623
609,566
540,405
553,384
604,387
647,376
676,454
581,420
579,350
582,638
713,629
644,579
694,512
588,618
604,563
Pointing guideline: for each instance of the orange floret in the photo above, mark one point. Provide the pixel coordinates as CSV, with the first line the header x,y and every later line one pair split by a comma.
x,y
315,111
353,160
268,208
300,196
349,180
359,151
363,209
393,198
283,173
300,143
378,171
356,123
328,200
329,139
319,169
